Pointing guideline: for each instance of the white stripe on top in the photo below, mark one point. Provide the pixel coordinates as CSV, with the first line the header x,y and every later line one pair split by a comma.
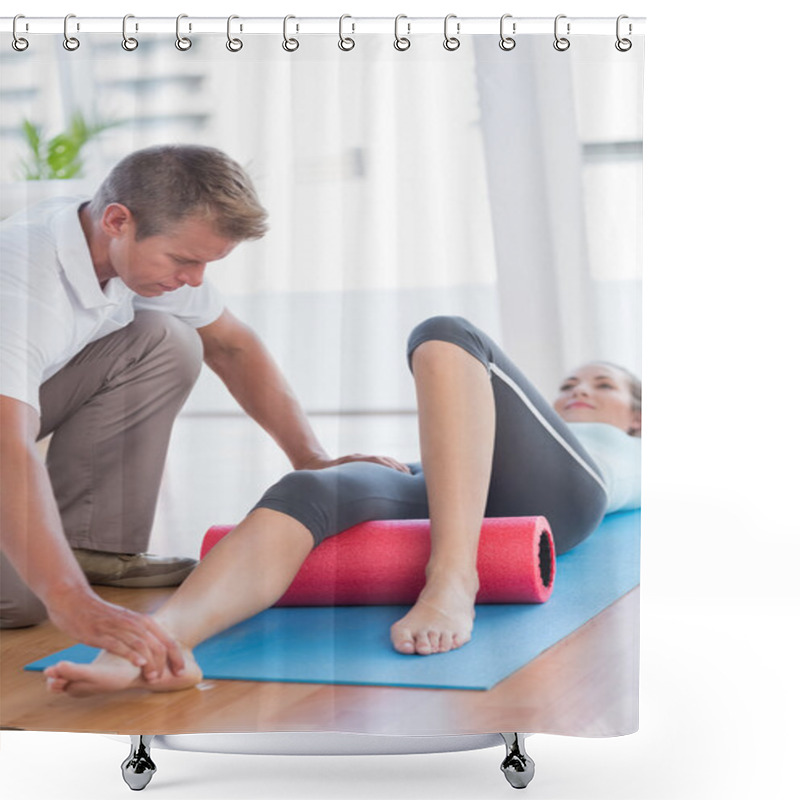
x,y
547,426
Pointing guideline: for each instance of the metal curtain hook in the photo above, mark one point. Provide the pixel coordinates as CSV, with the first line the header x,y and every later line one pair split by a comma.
x,y
561,43
182,42
289,45
401,42
70,42
18,42
128,42
345,42
234,45
451,42
507,42
623,45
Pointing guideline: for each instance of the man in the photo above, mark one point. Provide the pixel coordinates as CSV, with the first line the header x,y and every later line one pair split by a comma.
x,y
106,320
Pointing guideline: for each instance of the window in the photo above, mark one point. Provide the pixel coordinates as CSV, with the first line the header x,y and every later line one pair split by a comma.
x,y
611,133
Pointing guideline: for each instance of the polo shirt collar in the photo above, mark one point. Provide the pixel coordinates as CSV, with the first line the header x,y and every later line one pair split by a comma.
x,y
75,258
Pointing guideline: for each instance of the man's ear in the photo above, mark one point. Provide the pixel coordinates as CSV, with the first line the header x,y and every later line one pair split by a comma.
x,y
116,218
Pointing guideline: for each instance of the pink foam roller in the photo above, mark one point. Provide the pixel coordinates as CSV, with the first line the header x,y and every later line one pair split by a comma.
x,y
383,563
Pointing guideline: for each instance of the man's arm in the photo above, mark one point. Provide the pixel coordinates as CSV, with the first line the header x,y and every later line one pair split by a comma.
x,y
32,538
245,366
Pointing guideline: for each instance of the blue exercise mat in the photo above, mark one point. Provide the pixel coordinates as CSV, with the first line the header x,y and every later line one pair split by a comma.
x,y
351,645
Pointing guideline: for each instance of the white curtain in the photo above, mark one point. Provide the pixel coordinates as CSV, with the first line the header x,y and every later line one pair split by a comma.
x,y
564,220
399,185
501,186
372,170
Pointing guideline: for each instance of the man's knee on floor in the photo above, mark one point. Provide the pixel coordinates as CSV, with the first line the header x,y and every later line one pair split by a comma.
x,y
173,340
23,613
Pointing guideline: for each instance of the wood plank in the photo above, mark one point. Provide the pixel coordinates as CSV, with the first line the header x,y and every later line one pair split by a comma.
x,y
586,684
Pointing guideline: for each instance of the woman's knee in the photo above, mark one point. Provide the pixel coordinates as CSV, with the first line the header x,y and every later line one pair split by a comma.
x,y
453,329
309,496
442,327
332,500
304,485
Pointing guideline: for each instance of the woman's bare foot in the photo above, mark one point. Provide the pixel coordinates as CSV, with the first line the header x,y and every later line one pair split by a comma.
x,y
441,619
110,673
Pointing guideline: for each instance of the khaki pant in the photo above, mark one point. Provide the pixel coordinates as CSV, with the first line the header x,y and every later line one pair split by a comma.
x,y
110,412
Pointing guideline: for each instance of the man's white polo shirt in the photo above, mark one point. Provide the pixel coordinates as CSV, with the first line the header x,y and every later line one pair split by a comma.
x,y
51,303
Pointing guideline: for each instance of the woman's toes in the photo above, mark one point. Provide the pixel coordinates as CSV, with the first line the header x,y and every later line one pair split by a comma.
x,y
406,646
55,681
66,671
402,639
435,638
56,685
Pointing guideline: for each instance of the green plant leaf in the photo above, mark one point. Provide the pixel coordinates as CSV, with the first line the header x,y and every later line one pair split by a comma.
x,y
33,135
62,157
35,168
78,130
63,151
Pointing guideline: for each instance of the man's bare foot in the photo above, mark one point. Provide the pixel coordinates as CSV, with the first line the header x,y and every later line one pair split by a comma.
x,y
110,673
441,619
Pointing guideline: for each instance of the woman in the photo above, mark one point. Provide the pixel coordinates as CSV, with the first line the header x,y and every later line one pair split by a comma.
x,y
491,446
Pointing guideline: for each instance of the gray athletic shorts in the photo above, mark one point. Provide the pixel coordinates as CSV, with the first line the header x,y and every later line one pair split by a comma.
x,y
539,467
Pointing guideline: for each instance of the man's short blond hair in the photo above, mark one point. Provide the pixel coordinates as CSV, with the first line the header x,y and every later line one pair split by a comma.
x,y
165,184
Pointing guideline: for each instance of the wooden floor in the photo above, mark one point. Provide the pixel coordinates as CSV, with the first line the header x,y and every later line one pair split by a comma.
x,y
587,684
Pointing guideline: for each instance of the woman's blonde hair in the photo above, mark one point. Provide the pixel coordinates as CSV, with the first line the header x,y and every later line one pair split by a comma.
x,y
634,385
165,184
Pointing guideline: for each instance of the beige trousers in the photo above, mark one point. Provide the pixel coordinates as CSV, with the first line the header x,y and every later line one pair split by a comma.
x,y
110,411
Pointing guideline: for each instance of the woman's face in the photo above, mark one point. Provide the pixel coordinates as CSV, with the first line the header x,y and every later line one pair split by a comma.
x,y
598,393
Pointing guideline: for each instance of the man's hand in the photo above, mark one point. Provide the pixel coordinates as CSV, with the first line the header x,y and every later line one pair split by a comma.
x,y
135,637
33,540
253,377
384,461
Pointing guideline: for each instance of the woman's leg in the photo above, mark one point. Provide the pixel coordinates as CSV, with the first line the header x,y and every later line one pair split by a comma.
x,y
245,573
252,567
457,424
491,446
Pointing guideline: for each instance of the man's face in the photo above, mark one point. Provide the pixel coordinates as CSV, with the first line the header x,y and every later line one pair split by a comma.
x,y
167,261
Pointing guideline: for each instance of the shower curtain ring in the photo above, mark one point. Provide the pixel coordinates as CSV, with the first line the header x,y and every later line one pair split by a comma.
x,y
182,42
289,45
128,42
623,45
401,43
70,42
561,43
451,42
346,43
507,42
18,42
234,45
